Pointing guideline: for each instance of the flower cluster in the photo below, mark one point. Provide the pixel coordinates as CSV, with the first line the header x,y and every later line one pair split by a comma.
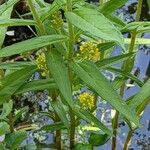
x,y
41,63
57,20
89,50
87,100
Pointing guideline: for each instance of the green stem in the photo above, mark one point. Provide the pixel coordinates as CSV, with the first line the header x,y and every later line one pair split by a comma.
x,y
11,122
115,121
37,18
128,140
70,57
58,135
115,126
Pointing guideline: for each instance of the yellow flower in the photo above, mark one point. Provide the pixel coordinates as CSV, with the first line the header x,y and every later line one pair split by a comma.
x,y
87,100
57,20
89,50
41,63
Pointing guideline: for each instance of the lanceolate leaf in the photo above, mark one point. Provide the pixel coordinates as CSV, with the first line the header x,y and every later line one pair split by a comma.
x,y
93,22
58,69
3,30
111,6
87,116
12,82
112,60
7,108
90,74
7,5
60,112
53,127
126,75
31,44
142,95
15,22
37,85
16,65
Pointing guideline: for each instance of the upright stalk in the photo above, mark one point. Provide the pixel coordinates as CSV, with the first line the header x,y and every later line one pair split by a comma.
x,y
36,18
70,57
126,68
11,122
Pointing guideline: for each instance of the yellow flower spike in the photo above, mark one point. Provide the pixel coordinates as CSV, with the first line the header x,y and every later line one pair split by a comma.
x,y
89,50
57,20
87,100
41,64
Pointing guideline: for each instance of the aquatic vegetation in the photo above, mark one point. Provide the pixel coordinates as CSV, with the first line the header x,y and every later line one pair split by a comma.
x,y
42,109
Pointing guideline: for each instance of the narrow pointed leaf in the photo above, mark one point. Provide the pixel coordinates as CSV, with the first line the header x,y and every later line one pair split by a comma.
x,y
94,23
31,44
90,74
7,5
12,82
15,22
143,94
126,75
110,6
87,116
59,71
113,60
36,85
60,112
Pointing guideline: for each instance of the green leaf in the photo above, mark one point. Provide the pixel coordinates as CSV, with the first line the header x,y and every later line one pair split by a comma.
x,y
20,112
54,127
87,116
113,60
3,30
7,5
15,22
57,5
11,83
7,108
126,75
15,65
98,139
116,21
110,6
13,140
36,85
143,94
139,27
58,107
58,69
105,46
91,75
31,44
81,146
4,128
94,23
